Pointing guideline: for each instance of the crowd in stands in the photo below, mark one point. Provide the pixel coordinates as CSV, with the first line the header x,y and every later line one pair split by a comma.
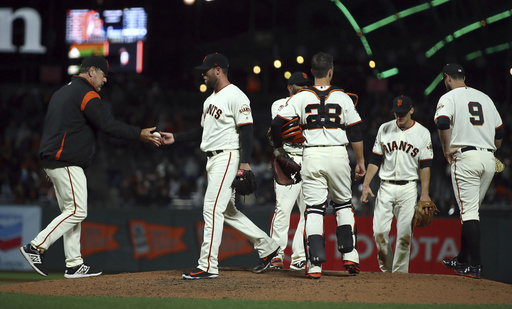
x,y
131,174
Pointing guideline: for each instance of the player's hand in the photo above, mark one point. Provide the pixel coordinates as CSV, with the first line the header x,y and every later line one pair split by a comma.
x,y
360,171
167,138
147,137
364,195
449,157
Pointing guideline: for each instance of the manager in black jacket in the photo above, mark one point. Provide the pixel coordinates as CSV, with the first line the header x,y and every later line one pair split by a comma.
x,y
75,115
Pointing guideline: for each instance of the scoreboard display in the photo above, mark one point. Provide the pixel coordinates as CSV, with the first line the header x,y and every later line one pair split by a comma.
x,y
117,34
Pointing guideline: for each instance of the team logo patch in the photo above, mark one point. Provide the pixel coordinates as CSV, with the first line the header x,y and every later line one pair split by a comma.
x,y
439,107
246,110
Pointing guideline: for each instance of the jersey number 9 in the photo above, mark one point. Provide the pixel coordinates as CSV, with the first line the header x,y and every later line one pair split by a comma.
x,y
475,109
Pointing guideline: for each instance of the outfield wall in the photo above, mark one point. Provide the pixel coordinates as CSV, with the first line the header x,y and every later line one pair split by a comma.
x,y
132,240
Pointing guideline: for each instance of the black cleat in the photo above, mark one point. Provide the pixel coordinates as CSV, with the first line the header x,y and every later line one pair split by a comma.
x,y
265,262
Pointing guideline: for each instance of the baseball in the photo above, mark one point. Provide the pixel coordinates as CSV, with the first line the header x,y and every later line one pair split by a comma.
x,y
156,135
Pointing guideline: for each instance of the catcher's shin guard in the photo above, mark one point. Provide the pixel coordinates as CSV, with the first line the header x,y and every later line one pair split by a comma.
x,y
346,230
314,229
316,248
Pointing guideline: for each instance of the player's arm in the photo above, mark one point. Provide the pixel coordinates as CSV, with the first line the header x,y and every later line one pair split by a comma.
x,y
246,141
101,117
425,183
498,137
443,129
193,135
373,167
275,130
355,136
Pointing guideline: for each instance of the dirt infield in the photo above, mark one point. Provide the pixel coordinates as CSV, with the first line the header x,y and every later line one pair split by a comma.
x,y
237,283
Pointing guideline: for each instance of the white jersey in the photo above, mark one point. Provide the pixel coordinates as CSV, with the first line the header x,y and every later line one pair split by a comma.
x,y
473,117
403,150
277,106
326,129
223,112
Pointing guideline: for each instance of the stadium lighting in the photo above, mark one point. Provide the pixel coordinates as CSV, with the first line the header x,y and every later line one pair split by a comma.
x,y
388,73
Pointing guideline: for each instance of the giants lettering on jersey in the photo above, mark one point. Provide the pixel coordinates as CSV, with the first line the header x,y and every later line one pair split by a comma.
x,y
214,111
404,146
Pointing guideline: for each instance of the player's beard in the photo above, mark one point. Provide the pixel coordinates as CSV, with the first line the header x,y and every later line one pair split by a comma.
x,y
210,81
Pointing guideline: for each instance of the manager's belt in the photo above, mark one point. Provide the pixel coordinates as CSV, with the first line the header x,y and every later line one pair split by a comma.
x,y
214,152
398,182
468,148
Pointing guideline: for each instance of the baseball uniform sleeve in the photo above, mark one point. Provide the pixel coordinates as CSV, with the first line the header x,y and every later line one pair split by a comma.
x,y
241,109
277,106
426,151
377,146
351,115
97,113
444,108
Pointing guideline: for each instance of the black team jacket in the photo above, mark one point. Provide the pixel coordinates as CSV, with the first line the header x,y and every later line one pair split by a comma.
x,y
75,115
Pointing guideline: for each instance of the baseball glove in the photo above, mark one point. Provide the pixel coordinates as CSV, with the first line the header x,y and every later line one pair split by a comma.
x,y
424,213
286,171
499,165
245,182
291,132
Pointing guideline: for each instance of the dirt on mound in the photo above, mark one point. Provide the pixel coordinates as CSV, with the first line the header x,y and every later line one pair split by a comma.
x,y
237,283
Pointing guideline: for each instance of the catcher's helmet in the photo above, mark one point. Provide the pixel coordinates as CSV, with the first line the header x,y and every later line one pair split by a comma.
x,y
291,132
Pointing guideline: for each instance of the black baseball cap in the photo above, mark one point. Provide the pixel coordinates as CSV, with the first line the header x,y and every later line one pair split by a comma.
x,y
402,104
212,61
299,79
97,62
453,68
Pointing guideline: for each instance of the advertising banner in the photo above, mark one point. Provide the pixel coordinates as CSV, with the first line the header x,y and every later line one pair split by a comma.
x,y
429,245
18,226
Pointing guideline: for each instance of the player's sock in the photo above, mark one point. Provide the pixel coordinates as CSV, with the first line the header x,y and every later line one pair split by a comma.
x,y
471,230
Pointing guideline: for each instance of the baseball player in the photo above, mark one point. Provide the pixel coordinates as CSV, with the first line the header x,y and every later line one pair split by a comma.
x,y
226,137
331,122
403,150
471,130
286,196
75,115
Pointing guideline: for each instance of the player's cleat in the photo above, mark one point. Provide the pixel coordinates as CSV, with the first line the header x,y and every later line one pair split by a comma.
x,y
351,267
276,263
34,258
454,264
81,271
199,274
471,271
313,275
298,266
265,262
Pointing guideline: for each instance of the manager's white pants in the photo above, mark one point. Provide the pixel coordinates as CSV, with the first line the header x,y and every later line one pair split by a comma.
x,y
70,186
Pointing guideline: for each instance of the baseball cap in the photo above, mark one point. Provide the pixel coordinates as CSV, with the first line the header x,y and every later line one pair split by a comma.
x,y
402,104
212,61
452,68
97,62
299,79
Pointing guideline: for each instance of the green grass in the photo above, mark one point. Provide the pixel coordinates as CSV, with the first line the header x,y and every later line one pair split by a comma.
x,y
14,300
11,300
16,277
